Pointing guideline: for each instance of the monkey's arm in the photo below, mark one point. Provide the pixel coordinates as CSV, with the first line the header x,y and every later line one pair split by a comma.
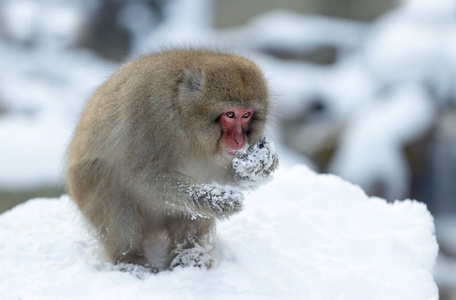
x,y
220,201
181,194
255,167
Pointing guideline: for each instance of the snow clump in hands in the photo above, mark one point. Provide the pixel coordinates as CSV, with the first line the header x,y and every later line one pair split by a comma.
x,y
256,165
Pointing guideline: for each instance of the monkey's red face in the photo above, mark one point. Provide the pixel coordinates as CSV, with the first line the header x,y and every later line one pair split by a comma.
x,y
235,123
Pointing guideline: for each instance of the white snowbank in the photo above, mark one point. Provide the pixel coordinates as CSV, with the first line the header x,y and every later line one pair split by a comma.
x,y
302,236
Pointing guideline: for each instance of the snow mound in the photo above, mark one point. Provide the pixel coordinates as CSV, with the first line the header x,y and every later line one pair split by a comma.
x,y
302,236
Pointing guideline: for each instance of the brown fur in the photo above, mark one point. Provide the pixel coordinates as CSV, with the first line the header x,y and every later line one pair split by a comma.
x,y
147,135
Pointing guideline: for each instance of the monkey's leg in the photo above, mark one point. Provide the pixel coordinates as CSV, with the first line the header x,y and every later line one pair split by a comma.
x,y
110,209
119,225
126,244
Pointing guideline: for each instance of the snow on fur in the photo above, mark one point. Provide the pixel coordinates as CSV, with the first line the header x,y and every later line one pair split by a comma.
x,y
221,198
301,236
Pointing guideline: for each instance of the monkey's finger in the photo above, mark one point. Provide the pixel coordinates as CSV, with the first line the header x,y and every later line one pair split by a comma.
x,y
261,142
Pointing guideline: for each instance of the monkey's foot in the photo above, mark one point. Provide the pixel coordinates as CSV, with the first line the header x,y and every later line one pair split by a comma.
x,y
256,166
193,258
135,264
138,270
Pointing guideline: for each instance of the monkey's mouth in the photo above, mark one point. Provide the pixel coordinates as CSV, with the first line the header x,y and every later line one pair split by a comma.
x,y
238,150
232,152
233,143
234,147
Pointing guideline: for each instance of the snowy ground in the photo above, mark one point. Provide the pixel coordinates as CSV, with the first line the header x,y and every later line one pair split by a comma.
x,y
302,236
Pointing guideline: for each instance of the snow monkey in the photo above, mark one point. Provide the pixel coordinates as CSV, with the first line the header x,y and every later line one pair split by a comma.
x,y
166,146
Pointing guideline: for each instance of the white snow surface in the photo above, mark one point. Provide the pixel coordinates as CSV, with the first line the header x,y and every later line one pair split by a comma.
x,y
301,236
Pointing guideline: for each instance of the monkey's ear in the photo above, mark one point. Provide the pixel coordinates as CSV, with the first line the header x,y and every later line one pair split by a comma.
x,y
193,80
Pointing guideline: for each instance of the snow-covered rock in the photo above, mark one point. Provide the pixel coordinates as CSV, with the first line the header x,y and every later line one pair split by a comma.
x,y
302,236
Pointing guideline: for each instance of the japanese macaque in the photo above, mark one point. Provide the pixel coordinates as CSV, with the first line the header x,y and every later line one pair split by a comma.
x,y
166,146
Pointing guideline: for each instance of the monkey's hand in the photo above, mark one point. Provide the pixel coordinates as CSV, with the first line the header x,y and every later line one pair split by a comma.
x,y
255,167
215,200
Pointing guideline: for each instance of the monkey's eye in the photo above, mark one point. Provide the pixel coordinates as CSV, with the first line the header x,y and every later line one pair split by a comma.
x,y
230,114
246,115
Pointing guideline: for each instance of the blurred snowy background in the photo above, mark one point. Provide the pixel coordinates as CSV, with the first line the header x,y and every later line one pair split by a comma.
x,y
364,89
